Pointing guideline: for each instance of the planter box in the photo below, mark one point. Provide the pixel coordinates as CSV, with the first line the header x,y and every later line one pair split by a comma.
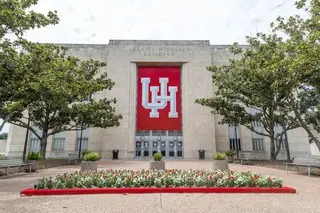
x,y
34,166
140,190
230,159
157,165
89,166
221,165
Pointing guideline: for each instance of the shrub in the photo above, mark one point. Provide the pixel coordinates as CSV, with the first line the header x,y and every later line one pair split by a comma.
x,y
230,153
92,156
2,156
157,156
34,156
112,178
219,156
85,152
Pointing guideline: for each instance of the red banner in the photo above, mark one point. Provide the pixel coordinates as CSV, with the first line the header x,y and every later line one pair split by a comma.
x,y
159,98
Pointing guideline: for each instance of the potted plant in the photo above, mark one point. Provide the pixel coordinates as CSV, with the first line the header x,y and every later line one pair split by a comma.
x,y
33,158
220,161
157,163
89,162
230,155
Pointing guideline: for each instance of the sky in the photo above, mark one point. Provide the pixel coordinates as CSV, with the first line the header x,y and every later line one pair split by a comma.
x,y
219,21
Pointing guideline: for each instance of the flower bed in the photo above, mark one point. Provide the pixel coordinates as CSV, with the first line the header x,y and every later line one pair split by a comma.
x,y
159,179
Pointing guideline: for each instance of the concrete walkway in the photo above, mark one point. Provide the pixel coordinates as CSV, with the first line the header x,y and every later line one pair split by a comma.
x,y
306,200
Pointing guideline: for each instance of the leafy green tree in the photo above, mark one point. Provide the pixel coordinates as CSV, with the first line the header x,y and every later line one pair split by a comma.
x,y
279,76
301,65
16,18
58,85
3,136
245,94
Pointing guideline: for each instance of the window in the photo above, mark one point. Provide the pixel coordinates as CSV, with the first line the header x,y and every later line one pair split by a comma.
x,y
146,153
34,142
234,137
84,140
158,133
257,144
256,124
257,140
174,133
142,133
84,144
34,145
58,142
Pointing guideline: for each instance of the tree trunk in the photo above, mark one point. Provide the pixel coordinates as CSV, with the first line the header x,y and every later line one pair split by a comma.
x,y
273,154
278,146
2,125
286,146
43,144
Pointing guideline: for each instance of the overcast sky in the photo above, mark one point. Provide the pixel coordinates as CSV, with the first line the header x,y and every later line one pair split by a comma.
x,y
220,21
97,21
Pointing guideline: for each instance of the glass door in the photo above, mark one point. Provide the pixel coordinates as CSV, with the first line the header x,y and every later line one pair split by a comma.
x,y
169,143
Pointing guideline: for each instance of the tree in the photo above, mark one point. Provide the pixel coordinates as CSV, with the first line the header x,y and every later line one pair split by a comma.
x,y
301,66
16,18
245,93
3,136
58,87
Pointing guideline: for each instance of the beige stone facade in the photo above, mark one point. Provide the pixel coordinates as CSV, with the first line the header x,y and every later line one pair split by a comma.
x,y
200,128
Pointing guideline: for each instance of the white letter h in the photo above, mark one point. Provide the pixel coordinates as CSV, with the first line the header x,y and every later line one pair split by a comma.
x,y
159,101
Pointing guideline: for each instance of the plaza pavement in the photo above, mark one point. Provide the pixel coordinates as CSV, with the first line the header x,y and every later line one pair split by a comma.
x,y
306,200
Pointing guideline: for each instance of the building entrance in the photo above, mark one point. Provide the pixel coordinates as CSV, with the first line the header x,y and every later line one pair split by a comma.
x,y
169,143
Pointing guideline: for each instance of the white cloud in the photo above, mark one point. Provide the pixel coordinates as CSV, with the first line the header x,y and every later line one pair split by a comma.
x,y
220,21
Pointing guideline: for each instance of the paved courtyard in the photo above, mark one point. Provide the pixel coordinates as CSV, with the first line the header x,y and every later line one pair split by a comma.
x,y
306,200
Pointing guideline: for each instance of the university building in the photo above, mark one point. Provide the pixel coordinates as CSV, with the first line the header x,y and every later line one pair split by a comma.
x,y
157,83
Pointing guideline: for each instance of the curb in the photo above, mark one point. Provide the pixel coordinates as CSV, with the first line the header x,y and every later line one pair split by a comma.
x,y
77,191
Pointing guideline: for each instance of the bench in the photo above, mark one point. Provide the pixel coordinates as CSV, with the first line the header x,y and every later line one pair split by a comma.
x,y
244,156
6,164
73,156
310,162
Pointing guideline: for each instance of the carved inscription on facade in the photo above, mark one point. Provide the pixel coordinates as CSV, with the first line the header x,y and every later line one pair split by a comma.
x,y
159,51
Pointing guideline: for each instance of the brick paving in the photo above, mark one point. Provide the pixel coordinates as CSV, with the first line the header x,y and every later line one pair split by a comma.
x,y
306,200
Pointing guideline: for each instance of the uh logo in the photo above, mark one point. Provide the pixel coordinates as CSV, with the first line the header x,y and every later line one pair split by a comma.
x,y
159,102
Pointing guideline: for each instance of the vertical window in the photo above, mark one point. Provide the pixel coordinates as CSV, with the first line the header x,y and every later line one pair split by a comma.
x,y
58,142
84,140
34,145
234,137
34,141
257,140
